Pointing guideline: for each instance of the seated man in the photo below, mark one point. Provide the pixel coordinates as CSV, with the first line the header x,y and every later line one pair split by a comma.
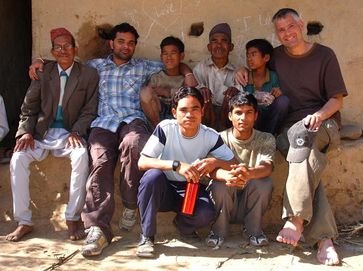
x,y
215,77
156,98
241,195
55,116
174,155
4,127
310,76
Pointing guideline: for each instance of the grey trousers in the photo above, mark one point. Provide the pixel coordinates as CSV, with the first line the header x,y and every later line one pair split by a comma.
x,y
304,192
245,205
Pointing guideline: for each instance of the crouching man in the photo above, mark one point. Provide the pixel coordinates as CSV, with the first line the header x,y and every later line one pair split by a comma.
x,y
174,155
55,116
241,195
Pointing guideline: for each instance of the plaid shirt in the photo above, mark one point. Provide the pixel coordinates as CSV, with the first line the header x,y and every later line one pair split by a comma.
x,y
119,90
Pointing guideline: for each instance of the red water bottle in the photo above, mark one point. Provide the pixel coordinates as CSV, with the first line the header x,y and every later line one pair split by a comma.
x,y
190,197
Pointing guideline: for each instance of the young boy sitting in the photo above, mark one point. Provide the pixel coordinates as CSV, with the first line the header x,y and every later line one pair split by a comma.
x,y
156,97
263,83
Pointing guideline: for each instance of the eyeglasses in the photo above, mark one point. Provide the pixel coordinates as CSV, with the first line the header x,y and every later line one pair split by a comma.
x,y
65,47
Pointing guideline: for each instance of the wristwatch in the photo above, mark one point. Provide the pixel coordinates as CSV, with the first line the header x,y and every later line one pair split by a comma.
x,y
176,164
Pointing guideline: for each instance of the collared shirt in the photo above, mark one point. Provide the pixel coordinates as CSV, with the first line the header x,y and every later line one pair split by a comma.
x,y
68,71
119,90
58,121
216,79
271,81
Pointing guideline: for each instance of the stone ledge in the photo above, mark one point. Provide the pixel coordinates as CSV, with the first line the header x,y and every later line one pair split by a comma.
x,y
343,180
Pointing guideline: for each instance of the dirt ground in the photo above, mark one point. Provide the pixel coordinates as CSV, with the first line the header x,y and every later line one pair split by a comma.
x,y
47,244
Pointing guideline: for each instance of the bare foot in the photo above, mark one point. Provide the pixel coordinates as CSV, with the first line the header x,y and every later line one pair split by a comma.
x,y
19,232
291,232
75,230
326,253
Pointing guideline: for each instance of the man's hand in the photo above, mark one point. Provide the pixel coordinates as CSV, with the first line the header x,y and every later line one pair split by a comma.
x,y
313,122
189,80
276,92
36,65
74,141
207,94
23,142
205,166
230,92
190,172
241,176
241,76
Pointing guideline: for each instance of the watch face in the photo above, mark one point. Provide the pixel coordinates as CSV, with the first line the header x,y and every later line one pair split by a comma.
x,y
176,164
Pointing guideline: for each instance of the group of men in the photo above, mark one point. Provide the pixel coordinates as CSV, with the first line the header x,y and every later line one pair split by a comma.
x,y
60,112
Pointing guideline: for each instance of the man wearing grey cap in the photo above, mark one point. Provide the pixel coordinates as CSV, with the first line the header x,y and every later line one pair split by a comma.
x,y
215,76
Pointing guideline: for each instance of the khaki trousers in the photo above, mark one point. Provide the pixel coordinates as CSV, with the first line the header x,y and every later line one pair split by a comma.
x,y
245,205
304,192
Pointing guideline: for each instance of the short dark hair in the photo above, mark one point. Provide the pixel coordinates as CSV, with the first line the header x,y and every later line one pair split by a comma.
x,y
172,41
123,28
187,91
262,45
242,99
281,13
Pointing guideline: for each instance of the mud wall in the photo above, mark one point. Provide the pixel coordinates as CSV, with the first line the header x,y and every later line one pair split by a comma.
x,y
156,19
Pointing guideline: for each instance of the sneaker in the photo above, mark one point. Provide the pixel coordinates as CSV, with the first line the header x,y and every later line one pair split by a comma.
x,y
258,241
213,240
95,242
145,248
128,219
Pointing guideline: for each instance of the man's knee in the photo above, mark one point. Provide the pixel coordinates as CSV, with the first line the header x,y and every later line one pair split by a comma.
x,y
18,158
152,178
79,158
263,187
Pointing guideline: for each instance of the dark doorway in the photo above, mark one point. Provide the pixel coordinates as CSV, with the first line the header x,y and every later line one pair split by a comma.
x,y
15,50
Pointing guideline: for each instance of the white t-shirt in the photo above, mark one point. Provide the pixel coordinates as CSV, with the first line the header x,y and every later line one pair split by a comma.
x,y
167,143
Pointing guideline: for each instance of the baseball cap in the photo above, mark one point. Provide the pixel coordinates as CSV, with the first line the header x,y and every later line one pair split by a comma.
x,y
222,28
301,140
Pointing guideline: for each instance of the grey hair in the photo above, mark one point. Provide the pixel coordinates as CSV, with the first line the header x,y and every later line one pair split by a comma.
x,y
282,13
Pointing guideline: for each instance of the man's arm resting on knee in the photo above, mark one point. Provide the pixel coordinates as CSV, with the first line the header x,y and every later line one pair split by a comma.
x,y
333,105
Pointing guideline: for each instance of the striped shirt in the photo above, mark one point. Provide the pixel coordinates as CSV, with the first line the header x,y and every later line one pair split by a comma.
x,y
119,89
